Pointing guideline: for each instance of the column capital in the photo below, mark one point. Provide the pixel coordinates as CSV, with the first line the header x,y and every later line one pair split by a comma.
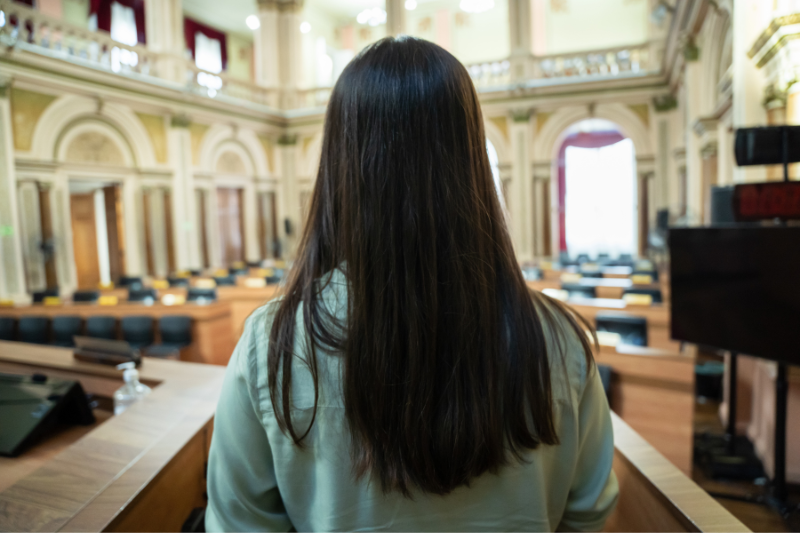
x,y
522,115
280,5
665,103
709,149
180,120
5,85
691,52
287,139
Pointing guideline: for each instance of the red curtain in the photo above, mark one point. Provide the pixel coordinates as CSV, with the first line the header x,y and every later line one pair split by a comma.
x,y
581,140
103,10
191,27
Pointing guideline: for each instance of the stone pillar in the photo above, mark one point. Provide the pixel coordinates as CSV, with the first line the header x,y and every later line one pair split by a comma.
x,y
31,235
645,174
164,27
706,131
290,52
520,18
541,210
694,87
133,216
395,17
179,143
520,191
252,248
265,45
287,145
158,236
12,273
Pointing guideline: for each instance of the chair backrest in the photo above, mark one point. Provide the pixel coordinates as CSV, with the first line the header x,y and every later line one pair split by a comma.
x,y
238,271
39,296
195,272
175,330
178,282
33,329
65,328
131,282
101,327
632,329
592,274
579,291
197,294
137,330
225,280
86,296
7,324
654,293
141,295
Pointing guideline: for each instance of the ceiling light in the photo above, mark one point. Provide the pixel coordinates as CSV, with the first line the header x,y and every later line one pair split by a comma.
x,y
252,22
373,17
476,6
305,27
411,5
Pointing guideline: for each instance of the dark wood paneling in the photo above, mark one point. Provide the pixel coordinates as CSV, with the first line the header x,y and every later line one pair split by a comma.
x,y
202,217
84,240
548,249
229,213
46,216
169,230
148,241
116,239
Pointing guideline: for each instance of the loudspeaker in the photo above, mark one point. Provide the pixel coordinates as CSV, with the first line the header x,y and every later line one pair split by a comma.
x,y
767,145
722,205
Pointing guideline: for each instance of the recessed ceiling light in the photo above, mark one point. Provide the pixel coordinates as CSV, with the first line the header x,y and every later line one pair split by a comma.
x,y
411,5
305,27
476,6
373,17
252,22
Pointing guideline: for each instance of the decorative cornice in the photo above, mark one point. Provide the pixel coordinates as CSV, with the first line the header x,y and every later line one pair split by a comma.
x,y
281,6
521,115
709,150
691,52
772,29
664,103
180,121
287,139
705,125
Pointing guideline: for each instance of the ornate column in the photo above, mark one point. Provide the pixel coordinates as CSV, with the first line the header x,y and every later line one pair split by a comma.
x,y
693,93
520,191
520,31
133,215
663,107
158,227
706,130
164,27
252,248
265,44
12,273
645,173
187,244
541,210
395,17
31,235
290,57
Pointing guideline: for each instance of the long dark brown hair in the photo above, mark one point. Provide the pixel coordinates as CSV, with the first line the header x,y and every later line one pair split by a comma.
x,y
445,368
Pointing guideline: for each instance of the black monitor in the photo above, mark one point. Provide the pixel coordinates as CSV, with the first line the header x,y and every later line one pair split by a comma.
x,y
737,289
631,329
576,290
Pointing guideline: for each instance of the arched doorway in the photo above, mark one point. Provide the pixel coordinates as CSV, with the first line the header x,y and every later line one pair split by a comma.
x,y
596,191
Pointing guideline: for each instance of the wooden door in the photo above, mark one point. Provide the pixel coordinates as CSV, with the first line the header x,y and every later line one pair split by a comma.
x,y
202,226
231,234
84,240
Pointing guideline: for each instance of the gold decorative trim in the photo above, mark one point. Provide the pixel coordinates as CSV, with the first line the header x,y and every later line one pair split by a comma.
x,y
196,134
772,29
27,108
154,124
777,48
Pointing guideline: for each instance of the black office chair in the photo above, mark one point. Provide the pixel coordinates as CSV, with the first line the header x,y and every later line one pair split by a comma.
x,y
652,273
39,296
195,272
196,294
137,331
603,257
631,329
273,280
33,329
591,274
86,296
625,257
142,295
254,264
64,329
7,325
178,282
101,327
579,291
131,282
654,293
226,281
238,272
176,333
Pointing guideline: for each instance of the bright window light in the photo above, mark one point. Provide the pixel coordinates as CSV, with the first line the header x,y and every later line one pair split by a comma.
x,y
373,17
252,22
476,6
305,27
411,5
2,18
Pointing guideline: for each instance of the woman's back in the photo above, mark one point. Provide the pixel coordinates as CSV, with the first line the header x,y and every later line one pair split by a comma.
x,y
258,479
407,378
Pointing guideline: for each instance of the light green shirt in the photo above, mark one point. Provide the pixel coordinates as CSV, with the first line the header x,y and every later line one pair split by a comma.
x,y
258,480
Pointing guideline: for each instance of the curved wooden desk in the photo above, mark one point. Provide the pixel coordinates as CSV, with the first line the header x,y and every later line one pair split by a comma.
x,y
212,340
143,470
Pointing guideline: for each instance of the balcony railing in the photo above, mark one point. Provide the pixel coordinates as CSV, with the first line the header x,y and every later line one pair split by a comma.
x,y
27,29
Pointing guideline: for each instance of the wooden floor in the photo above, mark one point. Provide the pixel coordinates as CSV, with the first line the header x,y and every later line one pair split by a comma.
x,y
758,517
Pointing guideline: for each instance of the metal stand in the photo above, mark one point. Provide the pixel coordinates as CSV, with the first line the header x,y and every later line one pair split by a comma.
x,y
730,431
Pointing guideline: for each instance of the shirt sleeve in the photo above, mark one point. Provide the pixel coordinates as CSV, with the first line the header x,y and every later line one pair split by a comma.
x,y
242,487
594,490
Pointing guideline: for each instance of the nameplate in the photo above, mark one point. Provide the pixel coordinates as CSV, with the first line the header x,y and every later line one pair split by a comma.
x,y
608,338
173,299
106,286
638,299
205,283
255,283
221,273
570,277
557,294
160,284
641,279
108,300
6,303
183,274
51,300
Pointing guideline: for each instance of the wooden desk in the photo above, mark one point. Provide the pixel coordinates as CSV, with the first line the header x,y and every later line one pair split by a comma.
x,y
611,288
653,391
143,470
212,338
243,301
656,496
657,315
